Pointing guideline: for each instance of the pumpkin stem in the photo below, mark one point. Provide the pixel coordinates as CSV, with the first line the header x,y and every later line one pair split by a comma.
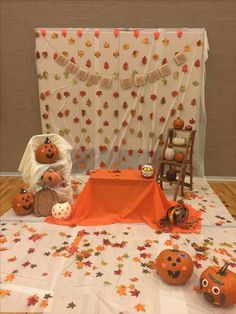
x,y
223,269
47,141
22,191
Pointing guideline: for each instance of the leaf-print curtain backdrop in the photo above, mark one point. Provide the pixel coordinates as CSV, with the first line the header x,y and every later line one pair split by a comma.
x,y
116,127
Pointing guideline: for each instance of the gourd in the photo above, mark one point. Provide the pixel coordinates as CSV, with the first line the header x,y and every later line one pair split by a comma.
x,y
174,267
218,285
169,153
22,202
52,178
47,153
179,140
179,156
178,123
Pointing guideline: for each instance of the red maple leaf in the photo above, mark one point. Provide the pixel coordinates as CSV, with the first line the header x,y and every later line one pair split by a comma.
x,y
106,65
35,237
116,148
156,35
97,33
179,34
124,123
64,32
102,164
174,93
144,60
130,152
118,272
116,32
125,66
82,93
197,63
136,33
106,123
164,61
88,121
32,300
66,94
134,292
116,94
79,33
43,32
82,148
99,93
133,93
45,116
88,63
153,97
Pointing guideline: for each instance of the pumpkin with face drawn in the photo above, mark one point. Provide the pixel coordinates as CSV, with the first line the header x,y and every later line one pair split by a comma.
x,y
218,285
22,202
52,178
47,153
174,267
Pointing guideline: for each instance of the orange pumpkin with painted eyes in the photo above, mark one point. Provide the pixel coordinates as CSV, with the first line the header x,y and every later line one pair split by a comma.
x,y
174,267
218,285
47,153
22,202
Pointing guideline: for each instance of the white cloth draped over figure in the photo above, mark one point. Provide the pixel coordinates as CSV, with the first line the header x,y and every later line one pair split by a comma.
x,y
110,94
32,170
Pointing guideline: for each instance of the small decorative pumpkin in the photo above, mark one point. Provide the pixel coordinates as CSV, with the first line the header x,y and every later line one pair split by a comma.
x,y
174,267
52,178
169,153
171,174
61,210
179,156
147,171
188,128
47,153
179,140
218,285
178,123
22,202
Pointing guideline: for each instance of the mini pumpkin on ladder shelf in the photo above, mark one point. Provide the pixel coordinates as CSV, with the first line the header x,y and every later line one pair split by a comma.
x,y
177,154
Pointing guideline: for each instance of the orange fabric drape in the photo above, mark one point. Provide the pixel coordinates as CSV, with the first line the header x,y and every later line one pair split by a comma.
x,y
124,196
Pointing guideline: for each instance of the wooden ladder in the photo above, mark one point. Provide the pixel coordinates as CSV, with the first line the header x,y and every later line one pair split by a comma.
x,y
187,149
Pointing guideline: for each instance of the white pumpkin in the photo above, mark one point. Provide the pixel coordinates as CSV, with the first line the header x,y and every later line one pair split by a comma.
x,y
147,171
169,153
61,210
179,140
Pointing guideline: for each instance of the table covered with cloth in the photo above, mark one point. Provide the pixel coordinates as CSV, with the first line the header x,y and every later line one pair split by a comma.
x,y
121,196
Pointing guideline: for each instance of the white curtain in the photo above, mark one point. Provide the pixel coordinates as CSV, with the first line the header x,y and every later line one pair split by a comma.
x,y
113,126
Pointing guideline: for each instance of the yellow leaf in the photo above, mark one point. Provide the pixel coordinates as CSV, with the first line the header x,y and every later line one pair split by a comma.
x,y
168,242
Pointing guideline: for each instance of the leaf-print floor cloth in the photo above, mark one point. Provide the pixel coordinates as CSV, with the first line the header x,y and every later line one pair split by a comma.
x,y
108,269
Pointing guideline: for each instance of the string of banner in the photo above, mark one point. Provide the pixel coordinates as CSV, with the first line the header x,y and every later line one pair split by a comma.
x,y
126,82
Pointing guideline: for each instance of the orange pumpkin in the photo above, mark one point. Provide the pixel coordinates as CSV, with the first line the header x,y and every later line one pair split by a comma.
x,y
174,267
179,156
52,178
22,202
47,153
218,285
178,123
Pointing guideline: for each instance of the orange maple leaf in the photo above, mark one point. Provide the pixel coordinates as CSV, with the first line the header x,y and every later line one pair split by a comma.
x,y
3,240
44,304
9,277
140,307
4,292
67,274
121,290
168,242
134,279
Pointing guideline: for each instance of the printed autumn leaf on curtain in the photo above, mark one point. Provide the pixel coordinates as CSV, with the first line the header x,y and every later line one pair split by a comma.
x,y
113,94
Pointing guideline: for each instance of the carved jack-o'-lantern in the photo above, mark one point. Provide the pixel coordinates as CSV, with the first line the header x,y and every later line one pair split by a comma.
x,y
52,178
218,285
147,171
22,202
174,267
47,153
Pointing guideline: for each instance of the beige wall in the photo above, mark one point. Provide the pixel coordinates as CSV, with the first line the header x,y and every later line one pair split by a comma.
x,y
20,117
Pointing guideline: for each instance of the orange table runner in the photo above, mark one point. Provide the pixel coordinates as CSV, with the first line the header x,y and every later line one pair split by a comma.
x,y
124,196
